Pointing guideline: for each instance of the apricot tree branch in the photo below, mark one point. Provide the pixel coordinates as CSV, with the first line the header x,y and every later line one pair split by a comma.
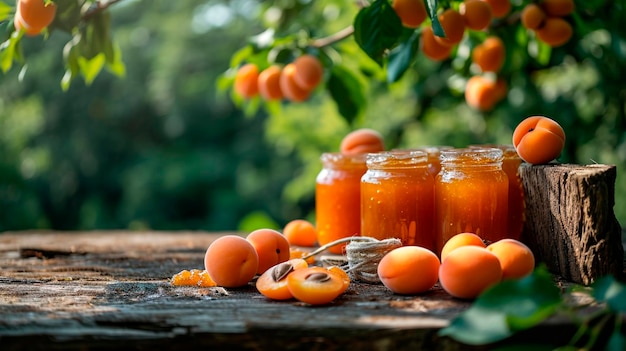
x,y
98,6
333,38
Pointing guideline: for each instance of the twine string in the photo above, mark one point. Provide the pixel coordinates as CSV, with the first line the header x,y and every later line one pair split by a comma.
x,y
362,255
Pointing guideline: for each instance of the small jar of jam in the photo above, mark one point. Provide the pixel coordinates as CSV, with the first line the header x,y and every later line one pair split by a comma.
x,y
517,207
471,194
338,198
397,198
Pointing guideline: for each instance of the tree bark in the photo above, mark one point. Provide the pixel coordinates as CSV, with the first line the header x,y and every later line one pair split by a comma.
x,y
570,222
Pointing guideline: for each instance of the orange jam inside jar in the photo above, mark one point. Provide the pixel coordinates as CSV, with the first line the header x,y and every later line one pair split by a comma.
x,y
517,206
397,198
471,194
338,198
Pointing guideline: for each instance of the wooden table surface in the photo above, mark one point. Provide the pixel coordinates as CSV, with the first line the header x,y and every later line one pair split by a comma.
x,y
110,290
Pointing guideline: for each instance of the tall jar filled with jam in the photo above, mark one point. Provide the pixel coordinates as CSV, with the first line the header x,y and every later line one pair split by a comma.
x,y
471,194
517,207
397,198
338,198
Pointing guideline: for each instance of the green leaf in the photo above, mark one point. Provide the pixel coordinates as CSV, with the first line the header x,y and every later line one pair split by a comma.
x,y
431,8
347,91
5,11
9,51
401,58
507,307
611,291
377,29
90,68
617,341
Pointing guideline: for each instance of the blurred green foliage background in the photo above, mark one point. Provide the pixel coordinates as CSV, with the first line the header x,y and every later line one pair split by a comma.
x,y
164,148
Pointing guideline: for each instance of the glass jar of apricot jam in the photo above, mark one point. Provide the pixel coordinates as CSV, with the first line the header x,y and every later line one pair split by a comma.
x,y
397,198
471,194
517,207
338,198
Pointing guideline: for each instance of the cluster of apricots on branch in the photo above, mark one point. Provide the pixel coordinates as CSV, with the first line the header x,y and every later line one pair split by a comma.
x,y
33,16
295,81
545,20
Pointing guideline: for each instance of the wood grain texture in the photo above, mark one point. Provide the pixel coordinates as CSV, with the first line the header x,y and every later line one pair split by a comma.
x,y
111,290
570,221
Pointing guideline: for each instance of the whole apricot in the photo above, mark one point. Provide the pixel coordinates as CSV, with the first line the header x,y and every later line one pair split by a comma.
x,y
269,83
483,93
432,48
555,32
412,13
231,261
35,15
499,8
271,247
300,232
360,141
476,14
461,239
490,54
409,270
291,90
533,17
453,26
246,81
308,72
538,139
558,8
468,271
516,259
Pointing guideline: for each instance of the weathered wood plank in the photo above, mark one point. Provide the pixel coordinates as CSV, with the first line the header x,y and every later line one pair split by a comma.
x,y
107,290
570,221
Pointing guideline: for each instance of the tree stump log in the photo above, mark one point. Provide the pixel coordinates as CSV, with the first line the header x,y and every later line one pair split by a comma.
x,y
570,221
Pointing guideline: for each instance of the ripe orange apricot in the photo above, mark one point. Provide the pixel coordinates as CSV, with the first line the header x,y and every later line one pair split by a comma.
x,y
19,24
269,83
468,271
308,72
412,13
453,26
490,54
516,259
409,270
538,139
315,285
271,246
555,32
533,17
558,8
273,282
246,81
461,239
35,15
291,90
231,261
432,48
300,232
476,14
499,8
360,141
482,93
